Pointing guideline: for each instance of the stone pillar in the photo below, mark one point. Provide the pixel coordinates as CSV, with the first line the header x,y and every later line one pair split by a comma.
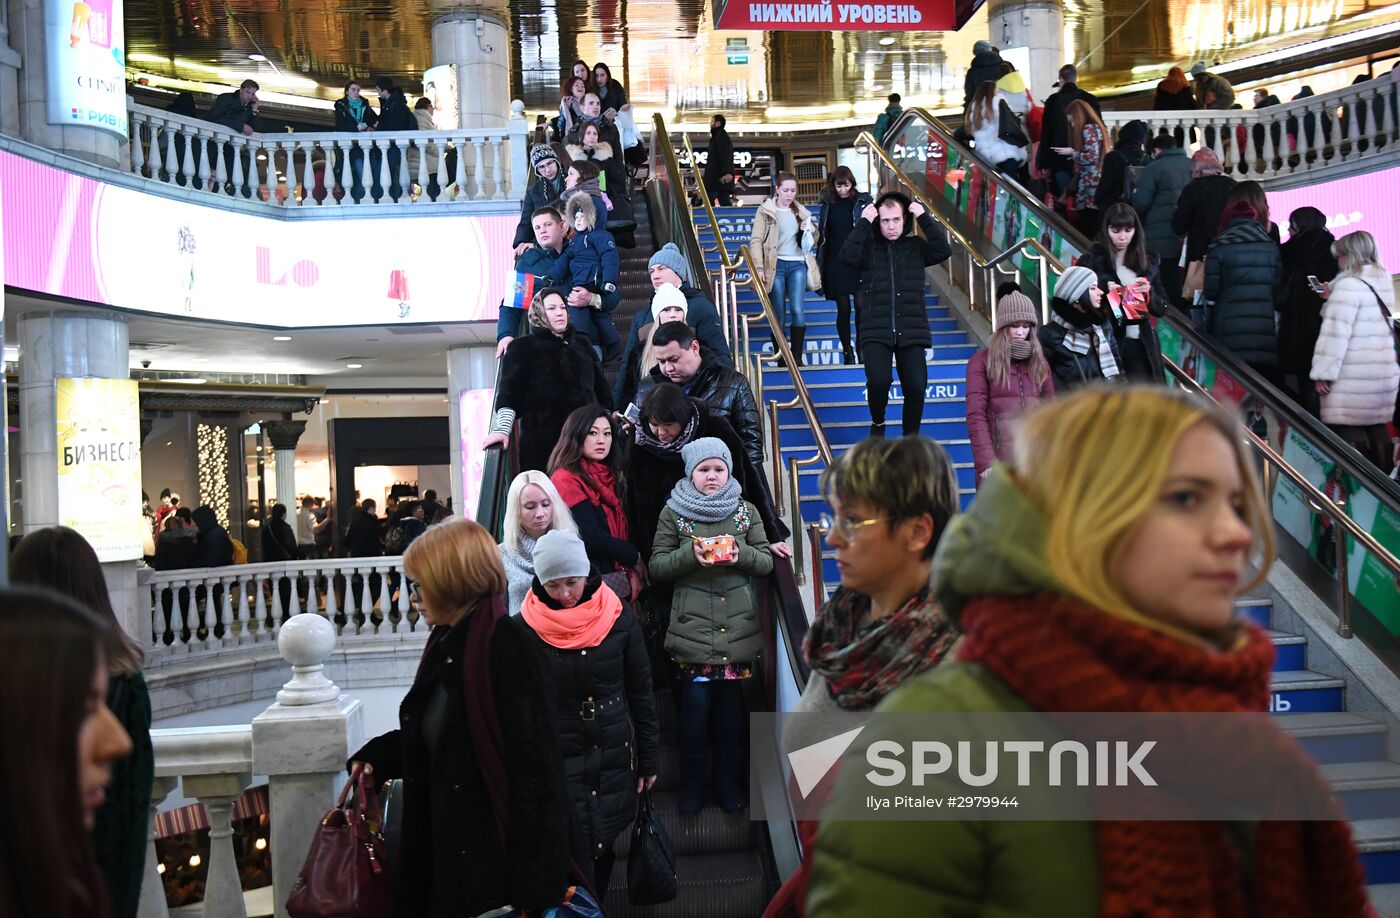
x,y
284,436
1038,26
301,744
9,77
471,382
58,345
478,41
26,26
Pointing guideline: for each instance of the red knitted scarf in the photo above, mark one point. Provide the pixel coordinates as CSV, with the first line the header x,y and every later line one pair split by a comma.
x,y
1060,655
596,483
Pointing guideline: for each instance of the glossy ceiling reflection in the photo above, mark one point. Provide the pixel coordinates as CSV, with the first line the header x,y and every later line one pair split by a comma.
x,y
670,58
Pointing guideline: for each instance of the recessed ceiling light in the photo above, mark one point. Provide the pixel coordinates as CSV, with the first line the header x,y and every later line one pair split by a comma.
x,y
257,57
887,40
353,366
281,337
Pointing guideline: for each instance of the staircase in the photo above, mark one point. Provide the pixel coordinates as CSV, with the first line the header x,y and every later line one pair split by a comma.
x,y
1352,748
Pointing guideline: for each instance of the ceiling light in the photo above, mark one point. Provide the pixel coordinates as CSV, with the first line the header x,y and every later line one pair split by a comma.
x,y
281,337
353,366
192,380
887,40
257,57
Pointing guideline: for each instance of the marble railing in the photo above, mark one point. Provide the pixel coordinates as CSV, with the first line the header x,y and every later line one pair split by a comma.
x,y
299,744
331,169
204,610
1340,127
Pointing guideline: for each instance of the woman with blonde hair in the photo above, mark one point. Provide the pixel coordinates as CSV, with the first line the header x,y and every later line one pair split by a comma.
x,y
983,122
1006,379
782,238
1354,369
485,816
544,376
1108,587
1088,142
533,507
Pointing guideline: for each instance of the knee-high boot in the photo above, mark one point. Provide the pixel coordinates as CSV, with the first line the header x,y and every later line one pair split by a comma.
x,y
797,340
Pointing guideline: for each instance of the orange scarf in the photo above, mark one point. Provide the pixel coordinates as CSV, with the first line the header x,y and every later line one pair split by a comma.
x,y
585,625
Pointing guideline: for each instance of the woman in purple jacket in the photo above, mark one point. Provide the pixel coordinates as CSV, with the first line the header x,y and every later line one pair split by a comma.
x,y
1006,379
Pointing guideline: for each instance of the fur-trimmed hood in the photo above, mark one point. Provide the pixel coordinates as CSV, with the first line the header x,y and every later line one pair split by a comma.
x,y
602,151
580,203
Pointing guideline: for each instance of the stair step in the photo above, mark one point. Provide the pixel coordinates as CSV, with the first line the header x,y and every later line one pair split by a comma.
x,y
723,885
1259,611
1385,899
857,412
1370,789
1378,840
1290,651
1335,737
1305,692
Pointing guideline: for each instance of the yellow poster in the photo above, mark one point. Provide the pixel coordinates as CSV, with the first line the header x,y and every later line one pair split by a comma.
x,y
99,464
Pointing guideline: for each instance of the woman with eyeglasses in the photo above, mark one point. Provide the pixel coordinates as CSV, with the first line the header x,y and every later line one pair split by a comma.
x,y
890,502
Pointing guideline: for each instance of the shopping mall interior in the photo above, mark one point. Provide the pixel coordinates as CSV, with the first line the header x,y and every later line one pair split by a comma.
x,y
235,300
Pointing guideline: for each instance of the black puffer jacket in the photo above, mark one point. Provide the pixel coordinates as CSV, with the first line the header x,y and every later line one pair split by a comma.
x,y
985,66
649,477
451,860
1198,211
1073,370
213,548
606,720
1300,310
543,378
1244,271
891,308
726,393
838,278
1101,263
700,314
541,193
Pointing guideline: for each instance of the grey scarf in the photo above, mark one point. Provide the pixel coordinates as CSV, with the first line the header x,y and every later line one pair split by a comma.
x,y
646,438
687,501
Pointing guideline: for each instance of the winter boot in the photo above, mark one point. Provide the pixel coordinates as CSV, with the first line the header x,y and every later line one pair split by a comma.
x,y
848,356
877,429
797,340
692,794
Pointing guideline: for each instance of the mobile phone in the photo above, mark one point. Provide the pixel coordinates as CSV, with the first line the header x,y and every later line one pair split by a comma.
x,y
633,414
1314,283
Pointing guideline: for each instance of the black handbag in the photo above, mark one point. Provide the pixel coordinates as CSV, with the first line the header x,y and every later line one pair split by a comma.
x,y
1009,126
651,864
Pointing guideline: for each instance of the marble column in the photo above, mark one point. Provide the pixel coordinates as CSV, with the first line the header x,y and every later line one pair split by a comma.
x,y
57,345
26,27
284,436
9,77
478,41
301,743
1038,26
471,390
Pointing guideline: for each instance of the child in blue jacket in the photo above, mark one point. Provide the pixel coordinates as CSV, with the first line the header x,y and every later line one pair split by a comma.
x,y
590,260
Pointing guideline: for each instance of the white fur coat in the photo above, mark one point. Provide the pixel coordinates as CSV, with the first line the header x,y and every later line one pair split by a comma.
x,y
1356,351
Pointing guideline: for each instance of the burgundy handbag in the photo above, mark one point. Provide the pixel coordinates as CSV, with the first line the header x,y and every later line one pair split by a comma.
x,y
345,875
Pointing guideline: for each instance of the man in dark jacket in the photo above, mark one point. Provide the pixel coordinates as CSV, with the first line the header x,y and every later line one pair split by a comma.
x,y
537,259
719,164
1244,273
892,316
887,118
1055,130
394,113
236,110
213,547
1123,166
364,538
1155,196
279,543
547,188
985,66
680,359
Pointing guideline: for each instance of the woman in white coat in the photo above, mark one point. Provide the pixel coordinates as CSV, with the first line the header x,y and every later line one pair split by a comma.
x,y
1354,364
984,124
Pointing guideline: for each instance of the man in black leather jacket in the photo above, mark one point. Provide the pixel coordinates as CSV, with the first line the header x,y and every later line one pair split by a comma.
x,y
682,360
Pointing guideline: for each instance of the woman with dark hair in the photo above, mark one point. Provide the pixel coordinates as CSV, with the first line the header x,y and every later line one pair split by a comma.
x,y
485,815
842,204
581,70
1088,139
353,115
610,92
1244,270
584,468
1307,254
59,559
670,420
61,742
1252,193
544,376
1128,275
983,122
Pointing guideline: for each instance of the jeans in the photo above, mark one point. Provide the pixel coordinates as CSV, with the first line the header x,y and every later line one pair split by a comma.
x,y
789,290
913,378
701,703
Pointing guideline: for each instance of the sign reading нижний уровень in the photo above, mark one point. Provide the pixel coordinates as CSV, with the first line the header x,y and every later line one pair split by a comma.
x,y
778,15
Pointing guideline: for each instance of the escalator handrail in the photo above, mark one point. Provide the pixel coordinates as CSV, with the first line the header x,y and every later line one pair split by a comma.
x,y
495,470
1337,451
709,208
684,236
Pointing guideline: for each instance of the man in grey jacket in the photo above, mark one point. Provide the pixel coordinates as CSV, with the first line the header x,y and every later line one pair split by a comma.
x,y
1154,198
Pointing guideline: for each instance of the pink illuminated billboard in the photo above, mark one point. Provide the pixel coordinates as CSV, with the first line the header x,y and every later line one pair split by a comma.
x,y
1369,202
71,236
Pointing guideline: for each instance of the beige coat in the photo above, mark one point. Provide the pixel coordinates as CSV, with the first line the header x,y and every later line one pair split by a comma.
x,y
763,243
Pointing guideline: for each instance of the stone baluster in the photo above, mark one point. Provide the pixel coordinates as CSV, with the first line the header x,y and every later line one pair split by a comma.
x,y
211,162
461,178
498,146
223,890
366,599
157,643
301,743
237,150
152,901
403,178
385,606
382,171
253,629
343,179
422,178
330,608
479,167
138,155
403,604
173,167
235,632
443,179
1273,124
187,166
308,173
260,607
181,605
351,606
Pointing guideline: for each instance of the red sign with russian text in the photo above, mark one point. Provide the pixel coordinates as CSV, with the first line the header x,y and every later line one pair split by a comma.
x,y
813,15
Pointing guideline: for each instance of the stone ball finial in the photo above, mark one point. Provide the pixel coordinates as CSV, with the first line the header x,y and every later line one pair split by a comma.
x,y
305,641
517,109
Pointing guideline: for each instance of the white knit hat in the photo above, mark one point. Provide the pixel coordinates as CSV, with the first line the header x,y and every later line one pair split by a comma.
x,y
559,555
668,295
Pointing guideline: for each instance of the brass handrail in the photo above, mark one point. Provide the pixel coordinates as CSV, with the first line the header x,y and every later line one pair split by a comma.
x,y
709,209
1319,501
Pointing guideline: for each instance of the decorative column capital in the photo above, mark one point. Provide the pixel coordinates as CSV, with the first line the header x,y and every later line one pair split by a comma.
x,y
284,434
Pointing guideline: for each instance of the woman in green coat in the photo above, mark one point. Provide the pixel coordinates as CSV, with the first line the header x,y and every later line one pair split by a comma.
x,y
710,542
1087,586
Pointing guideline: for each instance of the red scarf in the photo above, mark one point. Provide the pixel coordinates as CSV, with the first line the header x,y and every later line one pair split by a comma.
x,y
1060,655
585,625
597,485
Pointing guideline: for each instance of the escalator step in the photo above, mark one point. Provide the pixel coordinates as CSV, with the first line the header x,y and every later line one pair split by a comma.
x,y
728,885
